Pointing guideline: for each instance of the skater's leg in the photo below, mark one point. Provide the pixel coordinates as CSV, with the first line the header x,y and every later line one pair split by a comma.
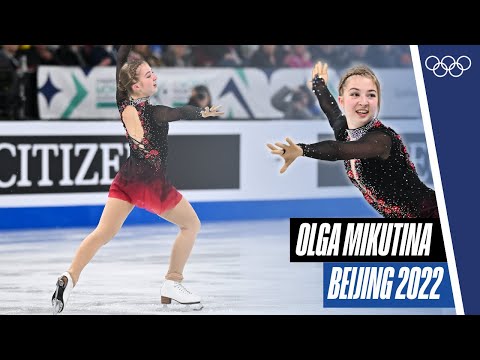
x,y
185,217
112,219
187,220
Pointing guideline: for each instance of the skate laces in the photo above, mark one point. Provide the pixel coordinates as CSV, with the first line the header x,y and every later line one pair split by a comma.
x,y
181,288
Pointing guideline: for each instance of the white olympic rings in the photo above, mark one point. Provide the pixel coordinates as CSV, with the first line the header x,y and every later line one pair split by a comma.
x,y
446,68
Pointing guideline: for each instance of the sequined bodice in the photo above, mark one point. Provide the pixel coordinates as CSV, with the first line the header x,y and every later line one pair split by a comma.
x,y
153,148
376,161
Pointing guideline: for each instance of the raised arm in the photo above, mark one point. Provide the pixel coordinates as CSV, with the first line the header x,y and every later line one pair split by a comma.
x,y
327,102
163,113
376,144
122,57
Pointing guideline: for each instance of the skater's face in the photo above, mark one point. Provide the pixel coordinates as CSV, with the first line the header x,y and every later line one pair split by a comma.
x,y
147,81
359,100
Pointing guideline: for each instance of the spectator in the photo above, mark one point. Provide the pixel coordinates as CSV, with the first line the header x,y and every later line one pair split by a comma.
x,y
178,55
9,83
266,56
359,55
144,52
70,55
334,54
383,56
229,56
201,98
203,55
36,55
99,55
293,103
299,57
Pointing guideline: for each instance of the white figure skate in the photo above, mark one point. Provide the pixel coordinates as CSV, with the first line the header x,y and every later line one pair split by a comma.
x,y
62,292
173,290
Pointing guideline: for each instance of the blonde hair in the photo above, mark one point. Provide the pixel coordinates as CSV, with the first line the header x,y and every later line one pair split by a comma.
x,y
361,70
128,75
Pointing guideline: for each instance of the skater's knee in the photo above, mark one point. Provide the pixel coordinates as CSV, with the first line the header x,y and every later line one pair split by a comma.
x,y
197,225
192,226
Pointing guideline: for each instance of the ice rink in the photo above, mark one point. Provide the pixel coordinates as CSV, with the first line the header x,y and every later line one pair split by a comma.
x,y
236,267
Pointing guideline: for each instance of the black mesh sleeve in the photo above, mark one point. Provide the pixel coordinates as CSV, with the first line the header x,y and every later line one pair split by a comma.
x,y
122,57
163,113
329,106
375,144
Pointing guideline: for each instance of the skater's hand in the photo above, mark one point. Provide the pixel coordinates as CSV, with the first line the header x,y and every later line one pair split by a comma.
x,y
289,152
321,70
211,111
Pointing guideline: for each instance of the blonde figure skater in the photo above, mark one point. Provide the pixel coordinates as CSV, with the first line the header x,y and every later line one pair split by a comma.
x,y
375,157
142,181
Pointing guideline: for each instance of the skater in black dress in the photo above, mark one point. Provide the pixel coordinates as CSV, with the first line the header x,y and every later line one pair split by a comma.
x,y
376,159
142,180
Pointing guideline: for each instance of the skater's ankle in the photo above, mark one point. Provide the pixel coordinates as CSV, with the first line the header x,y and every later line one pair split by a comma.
x,y
74,280
174,276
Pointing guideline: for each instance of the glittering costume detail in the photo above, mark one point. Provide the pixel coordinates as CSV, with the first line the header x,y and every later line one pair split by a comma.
x,y
355,134
142,179
390,184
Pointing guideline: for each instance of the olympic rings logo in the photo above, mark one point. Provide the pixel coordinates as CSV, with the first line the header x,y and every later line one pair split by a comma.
x,y
448,63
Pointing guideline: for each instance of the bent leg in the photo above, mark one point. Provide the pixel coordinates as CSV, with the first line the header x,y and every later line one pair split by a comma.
x,y
112,219
184,216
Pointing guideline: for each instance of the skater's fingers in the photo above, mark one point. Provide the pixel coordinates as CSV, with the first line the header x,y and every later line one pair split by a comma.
x,y
318,68
325,68
284,168
290,141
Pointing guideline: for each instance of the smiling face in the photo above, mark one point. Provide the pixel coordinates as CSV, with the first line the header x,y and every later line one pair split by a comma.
x,y
359,99
359,95
147,81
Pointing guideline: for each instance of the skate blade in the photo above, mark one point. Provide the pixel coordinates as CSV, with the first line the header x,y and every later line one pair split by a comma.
x,y
182,307
57,306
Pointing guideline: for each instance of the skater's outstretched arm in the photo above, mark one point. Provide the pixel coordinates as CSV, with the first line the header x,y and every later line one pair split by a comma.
x,y
163,113
376,144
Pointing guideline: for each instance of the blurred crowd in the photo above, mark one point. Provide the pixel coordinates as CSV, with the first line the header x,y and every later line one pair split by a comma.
x,y
19,63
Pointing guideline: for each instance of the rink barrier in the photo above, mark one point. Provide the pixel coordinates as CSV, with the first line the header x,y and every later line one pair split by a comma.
x,y
57,173
88,216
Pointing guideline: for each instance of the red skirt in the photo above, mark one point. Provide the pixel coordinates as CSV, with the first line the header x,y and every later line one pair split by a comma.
x,y
155,195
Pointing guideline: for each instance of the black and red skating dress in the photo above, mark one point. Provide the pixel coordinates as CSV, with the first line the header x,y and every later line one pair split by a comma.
x,y
392,185
142,180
